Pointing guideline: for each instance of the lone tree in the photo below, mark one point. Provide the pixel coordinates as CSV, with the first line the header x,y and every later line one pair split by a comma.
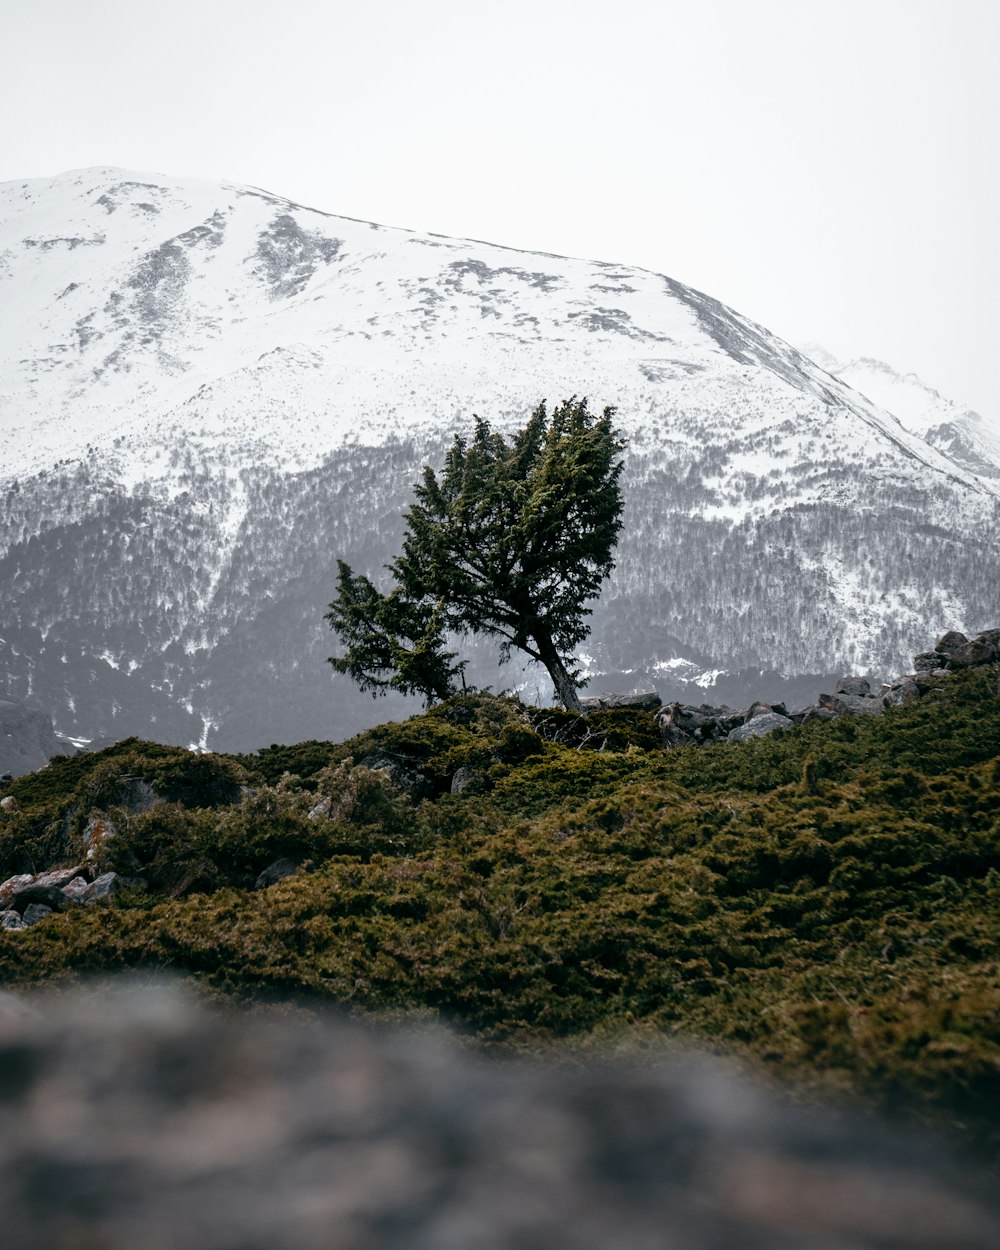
x,y
511,540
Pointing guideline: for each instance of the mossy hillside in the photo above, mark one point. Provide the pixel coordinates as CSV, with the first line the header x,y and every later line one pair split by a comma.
x,y
827,899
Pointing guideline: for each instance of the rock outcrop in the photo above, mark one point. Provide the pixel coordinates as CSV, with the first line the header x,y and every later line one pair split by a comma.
x,y
29,897
135,1117
647,700
27,738
683,725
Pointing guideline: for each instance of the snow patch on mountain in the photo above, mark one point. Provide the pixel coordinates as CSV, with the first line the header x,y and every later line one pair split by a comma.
x,y
967,437
209,392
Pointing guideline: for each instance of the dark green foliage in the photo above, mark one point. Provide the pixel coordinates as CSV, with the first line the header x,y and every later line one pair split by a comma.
x,y
826,900
393,641
303,760
511,540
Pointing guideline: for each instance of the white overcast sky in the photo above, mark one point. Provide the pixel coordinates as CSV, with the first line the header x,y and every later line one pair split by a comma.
x,y
827,167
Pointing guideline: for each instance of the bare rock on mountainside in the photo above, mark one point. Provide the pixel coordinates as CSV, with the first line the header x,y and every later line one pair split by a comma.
x,y
132,1116
27,738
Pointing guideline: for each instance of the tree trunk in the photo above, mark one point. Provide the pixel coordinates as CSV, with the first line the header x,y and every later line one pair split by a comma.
x,y
564,684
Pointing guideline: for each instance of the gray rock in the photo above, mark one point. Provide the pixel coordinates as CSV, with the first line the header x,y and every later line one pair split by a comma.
x,y
321,809
35,912
100,828
852,704
9,804
403,777
972,654
12,885
679,723
672,737
465,778
898,696
177,1126
859,686
278,871
136,795
107,885
760,709
648,700
76,889
11,920
818,713
926,660
950,641
759,726
49,896
60,877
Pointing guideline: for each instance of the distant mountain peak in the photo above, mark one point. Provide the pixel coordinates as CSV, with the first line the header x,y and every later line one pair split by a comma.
x,y
209,392
963,434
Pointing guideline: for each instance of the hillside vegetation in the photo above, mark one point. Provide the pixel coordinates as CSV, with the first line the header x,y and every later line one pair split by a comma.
x,y
824,900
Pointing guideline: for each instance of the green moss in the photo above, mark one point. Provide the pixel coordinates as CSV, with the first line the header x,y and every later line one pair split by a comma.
x,y
826,900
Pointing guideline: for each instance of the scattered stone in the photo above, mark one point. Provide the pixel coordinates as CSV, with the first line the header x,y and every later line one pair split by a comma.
x,y
951,641
465,778
99,829
11,920
673,737
681,725
12,885
321,810
9,804
60,877
48,896
766,723
648,701
852,704
76,889
818,713
278,871
35,912
107,885
972,654
928,678
858,686
411,782
898,696
136,796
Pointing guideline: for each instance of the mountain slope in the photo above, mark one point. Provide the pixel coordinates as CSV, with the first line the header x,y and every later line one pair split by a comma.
x,y
208,393
824,897
961,433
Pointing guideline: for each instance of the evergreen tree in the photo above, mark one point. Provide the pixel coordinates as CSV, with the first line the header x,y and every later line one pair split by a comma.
x,y
393,642
511,540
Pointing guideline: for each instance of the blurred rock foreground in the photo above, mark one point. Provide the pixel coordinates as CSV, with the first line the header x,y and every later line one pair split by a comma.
x,y
134,1117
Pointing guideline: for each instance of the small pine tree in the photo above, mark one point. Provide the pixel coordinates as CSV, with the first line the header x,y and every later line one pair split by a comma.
x,y
511,540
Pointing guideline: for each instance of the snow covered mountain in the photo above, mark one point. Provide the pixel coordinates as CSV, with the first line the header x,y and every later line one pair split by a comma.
x,y
209,393
963,434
